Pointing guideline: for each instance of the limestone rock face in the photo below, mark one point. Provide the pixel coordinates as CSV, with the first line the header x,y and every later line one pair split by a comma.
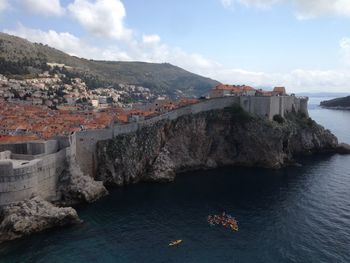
x,y
75,187
207,140
31,216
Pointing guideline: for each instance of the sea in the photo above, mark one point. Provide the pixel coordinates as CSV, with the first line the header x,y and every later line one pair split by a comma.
x,y
296,214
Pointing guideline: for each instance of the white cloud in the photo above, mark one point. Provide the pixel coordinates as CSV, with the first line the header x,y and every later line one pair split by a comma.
x,y
305,9
314,8
250,3
68,43
345,49
151,49
227,3
150,39
3,5
45,7
298,80
101,17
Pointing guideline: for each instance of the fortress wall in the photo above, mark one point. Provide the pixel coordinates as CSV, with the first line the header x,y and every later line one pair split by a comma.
x,y
19,148
207,105
276,107
6,168
5,155
271,106
31,148
214,104
86,140
19,184
21,179
86,148
47,160
124,128
290,104
246,104
51,146
35,148
51,167
304,106
63,141
260,106
23,157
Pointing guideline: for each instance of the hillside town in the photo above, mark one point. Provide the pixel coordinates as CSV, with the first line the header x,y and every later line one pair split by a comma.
x,y
46,106
54,90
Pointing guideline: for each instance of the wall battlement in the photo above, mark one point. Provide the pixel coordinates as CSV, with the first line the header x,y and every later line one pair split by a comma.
x,y
262,106
34,167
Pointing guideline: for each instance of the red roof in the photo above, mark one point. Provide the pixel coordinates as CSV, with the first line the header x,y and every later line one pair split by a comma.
x,y
234,88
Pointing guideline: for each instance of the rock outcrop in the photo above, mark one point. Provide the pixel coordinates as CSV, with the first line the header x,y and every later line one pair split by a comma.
x,y
343,148
76,187
32,216
208,140
35,214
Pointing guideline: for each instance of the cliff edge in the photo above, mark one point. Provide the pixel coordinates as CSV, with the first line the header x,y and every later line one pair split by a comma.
x,y
228,137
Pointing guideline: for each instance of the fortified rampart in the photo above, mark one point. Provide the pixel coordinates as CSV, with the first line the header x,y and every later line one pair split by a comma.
x,y
33,168
261,106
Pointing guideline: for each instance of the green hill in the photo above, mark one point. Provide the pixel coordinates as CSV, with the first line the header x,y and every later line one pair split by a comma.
x,y
20,57
337,103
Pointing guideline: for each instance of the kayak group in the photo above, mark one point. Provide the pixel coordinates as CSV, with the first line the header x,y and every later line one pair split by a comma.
x,y
224,220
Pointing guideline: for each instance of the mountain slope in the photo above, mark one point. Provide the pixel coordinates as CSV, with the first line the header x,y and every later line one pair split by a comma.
x,y
19,56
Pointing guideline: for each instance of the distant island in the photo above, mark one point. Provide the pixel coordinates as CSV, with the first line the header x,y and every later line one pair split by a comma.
x,y
338,103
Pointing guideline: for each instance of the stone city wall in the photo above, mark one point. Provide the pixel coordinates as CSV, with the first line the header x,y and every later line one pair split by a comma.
x,y
34,167
21,178
86,140
261,106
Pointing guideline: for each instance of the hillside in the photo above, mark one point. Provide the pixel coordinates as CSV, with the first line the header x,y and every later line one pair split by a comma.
x,y
341,103
20,57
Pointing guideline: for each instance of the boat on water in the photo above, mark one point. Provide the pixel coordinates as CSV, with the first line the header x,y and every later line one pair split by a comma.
x,y
175,243
223,220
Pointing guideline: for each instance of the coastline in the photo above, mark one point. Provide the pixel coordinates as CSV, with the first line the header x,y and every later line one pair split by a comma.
x,y
335,108
211,139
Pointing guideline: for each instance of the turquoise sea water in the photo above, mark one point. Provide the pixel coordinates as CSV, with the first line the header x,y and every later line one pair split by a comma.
x,y
297,214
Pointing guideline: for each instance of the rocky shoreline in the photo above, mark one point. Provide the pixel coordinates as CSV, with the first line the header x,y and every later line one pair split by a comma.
x,y
35,214
76,187
335,107
207,140
32,216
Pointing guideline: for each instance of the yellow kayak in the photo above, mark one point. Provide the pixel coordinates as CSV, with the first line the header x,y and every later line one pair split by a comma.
x,y
175,243
234,228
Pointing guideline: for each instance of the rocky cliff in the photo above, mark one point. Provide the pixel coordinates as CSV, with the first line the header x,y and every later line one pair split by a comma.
x,y
208,140
31,216
76,187
35,214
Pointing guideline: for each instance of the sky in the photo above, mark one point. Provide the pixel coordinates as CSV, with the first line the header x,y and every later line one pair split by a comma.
x,y
301,44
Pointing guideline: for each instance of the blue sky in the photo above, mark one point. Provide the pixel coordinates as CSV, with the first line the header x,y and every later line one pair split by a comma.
x,y
304,45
